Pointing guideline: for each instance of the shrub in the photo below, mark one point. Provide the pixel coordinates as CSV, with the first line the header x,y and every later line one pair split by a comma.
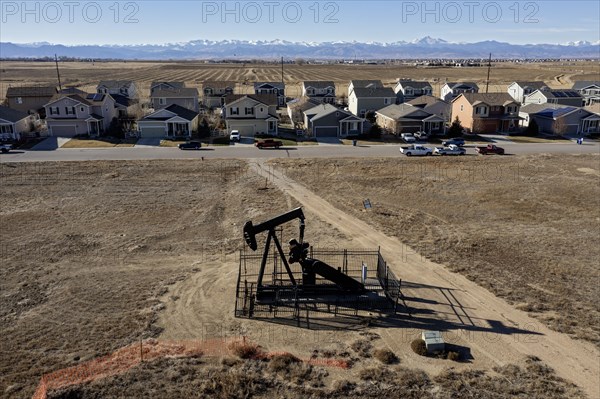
x,y
418,346
385,356
362,347
282,362
454,356
456,129
244,350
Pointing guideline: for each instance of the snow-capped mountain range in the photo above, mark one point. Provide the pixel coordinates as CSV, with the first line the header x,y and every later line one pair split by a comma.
x,y
426,47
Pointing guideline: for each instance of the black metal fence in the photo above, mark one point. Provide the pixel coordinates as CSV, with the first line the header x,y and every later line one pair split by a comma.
x,y
382,289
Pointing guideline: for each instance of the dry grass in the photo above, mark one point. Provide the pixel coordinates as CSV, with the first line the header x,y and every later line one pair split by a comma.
x,y
76,143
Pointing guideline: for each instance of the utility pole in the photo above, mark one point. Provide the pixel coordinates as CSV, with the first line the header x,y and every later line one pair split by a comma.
x,y
487,82
57,72
281,70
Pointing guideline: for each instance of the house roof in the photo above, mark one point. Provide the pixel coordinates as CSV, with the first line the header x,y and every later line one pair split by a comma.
x,y
115,84
267,99
425,101
96,97
322,110
302,104
178,110
582,84
174,85
492,99
12,115
123,100
593,108
319,84
454,85
75,97
417,84
535,84
31,91
397,111
370,92
178,93
562,94
548,110
277,85
366,83
72,90
218,84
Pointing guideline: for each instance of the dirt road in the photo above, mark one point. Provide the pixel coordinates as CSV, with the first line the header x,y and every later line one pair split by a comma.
x,y
470,315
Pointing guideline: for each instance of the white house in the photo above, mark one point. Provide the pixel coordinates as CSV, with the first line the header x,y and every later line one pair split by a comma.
x,y
451,90
321,91
407,89
518,90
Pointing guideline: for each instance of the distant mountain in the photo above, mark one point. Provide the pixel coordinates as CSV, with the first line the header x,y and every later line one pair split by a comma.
x,y
426,47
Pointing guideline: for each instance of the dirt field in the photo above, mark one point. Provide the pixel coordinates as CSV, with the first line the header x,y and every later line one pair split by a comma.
x,y
97,255
87,75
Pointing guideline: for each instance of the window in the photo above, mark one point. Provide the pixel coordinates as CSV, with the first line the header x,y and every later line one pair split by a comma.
x,y
409,91
462,107
208,92
162,101
19,100
386,101
70,110
234,111
480,110
81,109
54,111
249,111
262,109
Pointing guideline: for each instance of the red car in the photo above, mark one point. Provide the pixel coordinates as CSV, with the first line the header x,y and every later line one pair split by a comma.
x,y
490,149
269,143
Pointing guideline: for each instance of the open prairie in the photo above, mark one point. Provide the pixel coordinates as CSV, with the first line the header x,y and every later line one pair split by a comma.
x,y
98,255
88,74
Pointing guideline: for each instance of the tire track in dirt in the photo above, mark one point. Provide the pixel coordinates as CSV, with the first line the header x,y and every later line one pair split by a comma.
x,y
492,326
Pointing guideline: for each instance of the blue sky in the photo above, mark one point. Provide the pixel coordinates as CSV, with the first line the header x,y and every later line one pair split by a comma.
x,y
135,22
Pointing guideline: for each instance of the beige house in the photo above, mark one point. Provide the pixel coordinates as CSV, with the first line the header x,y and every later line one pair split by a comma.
x,y
251,114
486,112
68,115
405,118
215,92
29,98
322,91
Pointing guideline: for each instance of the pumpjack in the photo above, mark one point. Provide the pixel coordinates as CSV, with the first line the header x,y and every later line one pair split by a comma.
x,y
336,281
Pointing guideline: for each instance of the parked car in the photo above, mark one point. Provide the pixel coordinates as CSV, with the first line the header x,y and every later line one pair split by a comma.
x,y
452,149
190,145
456,141
490,149
416,149
235,136
269,143
422,135
5,148
408,137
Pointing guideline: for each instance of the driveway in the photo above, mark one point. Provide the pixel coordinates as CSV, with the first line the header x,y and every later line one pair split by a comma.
x,y
148,142
328,141
50,143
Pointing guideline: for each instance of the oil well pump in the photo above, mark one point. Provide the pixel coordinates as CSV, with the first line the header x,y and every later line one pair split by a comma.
x,y
331,281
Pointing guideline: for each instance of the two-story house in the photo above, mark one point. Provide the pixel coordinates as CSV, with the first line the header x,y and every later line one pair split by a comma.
x,y
326,120
589,90
562,97
276,88
251,114
451,90
322,91
407,89
406,118
518,90
163,94
363,100
364,84
68,115
171,122
214,93
14,123
126,88
486,112
434,106
30,99
296,108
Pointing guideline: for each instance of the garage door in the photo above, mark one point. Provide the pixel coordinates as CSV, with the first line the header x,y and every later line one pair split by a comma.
x,y
246,131
326,131
152,131
64,131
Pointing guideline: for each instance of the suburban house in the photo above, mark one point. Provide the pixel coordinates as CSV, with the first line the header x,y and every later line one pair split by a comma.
x,y
518,90
326,120
276,88
591,124
589,90
434,106
560,119
406,118
563,97
363,100
214,93
364,84
322,91
163,94
14,123
251,114
486,112
451,90
296,108
29,98
407,89
172,122
124,88
68,115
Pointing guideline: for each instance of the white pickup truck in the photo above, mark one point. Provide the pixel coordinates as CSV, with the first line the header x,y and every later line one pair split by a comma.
x,y
416,149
